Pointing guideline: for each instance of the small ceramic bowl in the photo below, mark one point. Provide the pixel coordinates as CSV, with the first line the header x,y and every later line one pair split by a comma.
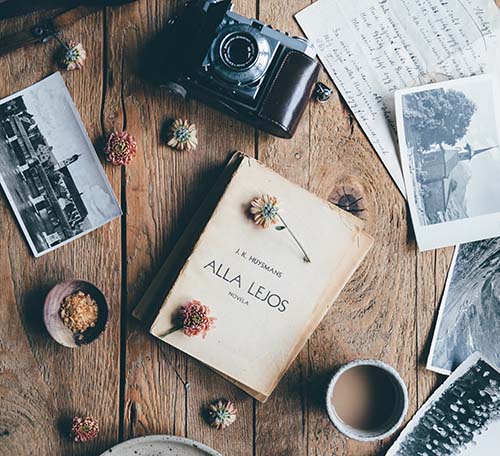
x,y
55,326
392,422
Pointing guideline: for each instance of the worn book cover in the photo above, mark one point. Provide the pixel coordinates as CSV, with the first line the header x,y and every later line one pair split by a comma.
x,y
266,299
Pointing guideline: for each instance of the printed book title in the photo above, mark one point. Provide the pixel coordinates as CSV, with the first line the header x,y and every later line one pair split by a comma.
x,y
252,288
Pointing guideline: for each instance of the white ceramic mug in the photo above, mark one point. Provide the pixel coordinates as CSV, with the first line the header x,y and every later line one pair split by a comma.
x,y
395,416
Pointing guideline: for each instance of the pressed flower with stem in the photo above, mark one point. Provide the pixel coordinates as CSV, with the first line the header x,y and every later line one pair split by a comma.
x,y
266,212
194,319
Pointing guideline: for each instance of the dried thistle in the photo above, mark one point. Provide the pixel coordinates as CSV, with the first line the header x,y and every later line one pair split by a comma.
x,y
221,413
182,135
73,55
266,212
84,429
121,148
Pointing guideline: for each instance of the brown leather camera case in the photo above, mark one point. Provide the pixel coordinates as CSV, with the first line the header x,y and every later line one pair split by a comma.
x,y
288,95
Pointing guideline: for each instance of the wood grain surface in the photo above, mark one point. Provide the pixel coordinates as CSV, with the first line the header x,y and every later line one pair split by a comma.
x,y
135,385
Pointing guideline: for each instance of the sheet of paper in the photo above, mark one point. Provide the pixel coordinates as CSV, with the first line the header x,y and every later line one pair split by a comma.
x,y
370,48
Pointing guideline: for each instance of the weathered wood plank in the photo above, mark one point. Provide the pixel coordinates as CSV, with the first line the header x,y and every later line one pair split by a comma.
x,y
387,311
65,382
375,315
282,422
163,188
152,398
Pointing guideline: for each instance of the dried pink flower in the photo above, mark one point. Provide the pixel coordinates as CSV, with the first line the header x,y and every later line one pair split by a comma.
x,y
84,429
74,55
121,148
195,319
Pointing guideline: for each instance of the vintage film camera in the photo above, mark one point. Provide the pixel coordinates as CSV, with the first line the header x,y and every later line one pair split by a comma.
x,y
240,66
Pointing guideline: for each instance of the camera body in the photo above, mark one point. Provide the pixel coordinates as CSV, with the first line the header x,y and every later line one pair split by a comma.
x,y
240,66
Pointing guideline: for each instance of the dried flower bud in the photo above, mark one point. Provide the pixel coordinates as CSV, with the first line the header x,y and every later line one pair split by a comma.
x,y
265,210
84,429
73,55
221,413
182,135
195,319
121,148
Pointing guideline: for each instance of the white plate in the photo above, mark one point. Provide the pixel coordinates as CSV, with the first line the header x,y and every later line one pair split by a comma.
x,y
160,445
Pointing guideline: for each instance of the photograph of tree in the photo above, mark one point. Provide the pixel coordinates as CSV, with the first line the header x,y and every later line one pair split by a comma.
x,y
469,315
452,149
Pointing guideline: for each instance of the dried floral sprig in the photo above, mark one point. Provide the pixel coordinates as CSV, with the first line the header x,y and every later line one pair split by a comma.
x,y
84,429
182,135
221,413
73,55
121,148
266,212
196,319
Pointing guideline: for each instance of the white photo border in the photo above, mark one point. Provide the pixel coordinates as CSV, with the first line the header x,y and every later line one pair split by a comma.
x,y
92,152
457,231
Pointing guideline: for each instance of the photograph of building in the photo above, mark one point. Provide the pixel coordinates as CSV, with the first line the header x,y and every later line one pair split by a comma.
x,y
49,188
450,139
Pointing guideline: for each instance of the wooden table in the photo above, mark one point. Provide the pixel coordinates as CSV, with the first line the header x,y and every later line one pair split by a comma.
x,y
128,380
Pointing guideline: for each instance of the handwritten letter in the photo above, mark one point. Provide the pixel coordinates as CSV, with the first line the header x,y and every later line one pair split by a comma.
x,y
370,48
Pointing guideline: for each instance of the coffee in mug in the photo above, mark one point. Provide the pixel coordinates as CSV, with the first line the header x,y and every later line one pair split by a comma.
x,y
367,400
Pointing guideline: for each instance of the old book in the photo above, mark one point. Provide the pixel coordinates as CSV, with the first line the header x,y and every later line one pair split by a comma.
x,y
267,300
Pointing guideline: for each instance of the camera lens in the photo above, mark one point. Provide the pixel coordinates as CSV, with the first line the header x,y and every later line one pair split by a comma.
x,y
239,51
240,55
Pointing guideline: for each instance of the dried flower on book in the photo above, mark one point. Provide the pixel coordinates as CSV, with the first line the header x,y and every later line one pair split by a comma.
x,y
196,319
73,55
266,212
84,429
79,312
182,135
221,413
121,148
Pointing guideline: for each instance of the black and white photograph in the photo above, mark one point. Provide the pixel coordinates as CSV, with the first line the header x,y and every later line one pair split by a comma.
x,y
49,169
461,418
469,314
449,145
